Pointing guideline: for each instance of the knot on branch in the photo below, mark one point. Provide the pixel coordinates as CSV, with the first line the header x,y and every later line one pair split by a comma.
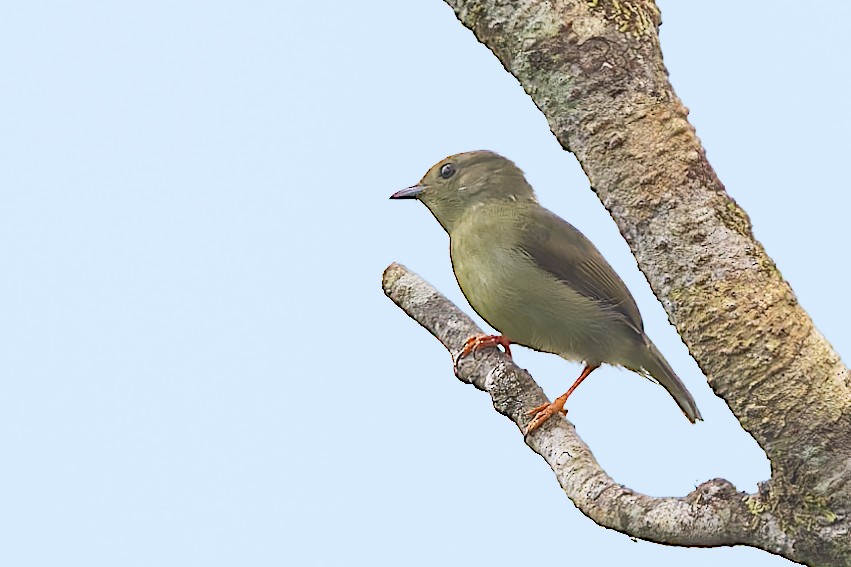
x,y
711,491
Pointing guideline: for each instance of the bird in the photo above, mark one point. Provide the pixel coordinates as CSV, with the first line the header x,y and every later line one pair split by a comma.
x,y
535,278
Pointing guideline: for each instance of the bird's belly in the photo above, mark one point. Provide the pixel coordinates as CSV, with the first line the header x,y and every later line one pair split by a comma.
x,y
533,308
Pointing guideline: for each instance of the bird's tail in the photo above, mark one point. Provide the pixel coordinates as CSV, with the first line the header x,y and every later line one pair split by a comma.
x,y
656,365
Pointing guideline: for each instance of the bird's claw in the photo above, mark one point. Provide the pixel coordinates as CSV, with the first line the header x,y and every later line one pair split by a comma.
x,y
542,413
477,342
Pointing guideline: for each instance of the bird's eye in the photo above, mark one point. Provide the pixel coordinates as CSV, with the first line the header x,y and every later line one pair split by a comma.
x,y
447,171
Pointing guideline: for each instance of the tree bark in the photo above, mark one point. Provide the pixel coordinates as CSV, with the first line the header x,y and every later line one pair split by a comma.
x,y
595,69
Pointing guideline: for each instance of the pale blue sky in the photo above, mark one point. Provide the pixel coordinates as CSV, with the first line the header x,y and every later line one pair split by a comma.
x,y
198,366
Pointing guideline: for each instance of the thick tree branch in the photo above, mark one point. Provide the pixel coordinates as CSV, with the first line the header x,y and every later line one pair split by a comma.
x,y
595,69
713,514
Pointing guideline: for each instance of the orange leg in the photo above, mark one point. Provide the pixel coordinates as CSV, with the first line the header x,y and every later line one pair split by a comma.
x,y
477,342
543,412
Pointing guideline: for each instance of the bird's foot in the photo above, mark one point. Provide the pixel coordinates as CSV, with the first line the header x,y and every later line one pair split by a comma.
x,y
544,411
477,342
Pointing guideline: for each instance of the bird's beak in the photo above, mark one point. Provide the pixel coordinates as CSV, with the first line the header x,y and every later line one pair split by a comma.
x,y
409,193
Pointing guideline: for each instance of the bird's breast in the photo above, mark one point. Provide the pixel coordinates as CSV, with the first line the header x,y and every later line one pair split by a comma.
x,y
525,303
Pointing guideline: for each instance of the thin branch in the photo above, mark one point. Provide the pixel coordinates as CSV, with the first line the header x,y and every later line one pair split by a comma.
x,y
714,514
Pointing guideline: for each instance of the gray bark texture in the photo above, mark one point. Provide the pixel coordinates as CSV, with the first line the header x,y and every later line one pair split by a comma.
x,y
595,69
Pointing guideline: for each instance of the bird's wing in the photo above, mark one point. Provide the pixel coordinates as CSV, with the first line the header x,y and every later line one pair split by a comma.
x,y
560,249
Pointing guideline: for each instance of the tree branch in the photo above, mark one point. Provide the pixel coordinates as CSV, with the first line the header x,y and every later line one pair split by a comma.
x,y
595,70
713,514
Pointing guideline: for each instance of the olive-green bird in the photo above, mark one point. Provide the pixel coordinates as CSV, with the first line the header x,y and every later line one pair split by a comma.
x,y
535,278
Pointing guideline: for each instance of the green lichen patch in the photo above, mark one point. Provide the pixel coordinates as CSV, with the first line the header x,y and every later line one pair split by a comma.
x,y
638,18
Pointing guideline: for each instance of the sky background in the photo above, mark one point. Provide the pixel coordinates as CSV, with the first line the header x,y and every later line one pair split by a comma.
x,y
197,363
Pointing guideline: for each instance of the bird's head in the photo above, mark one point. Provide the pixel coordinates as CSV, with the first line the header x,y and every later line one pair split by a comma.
x,y
462,182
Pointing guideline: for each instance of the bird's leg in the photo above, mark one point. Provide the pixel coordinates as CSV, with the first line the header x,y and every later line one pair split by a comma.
x,y
544,411
477,342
